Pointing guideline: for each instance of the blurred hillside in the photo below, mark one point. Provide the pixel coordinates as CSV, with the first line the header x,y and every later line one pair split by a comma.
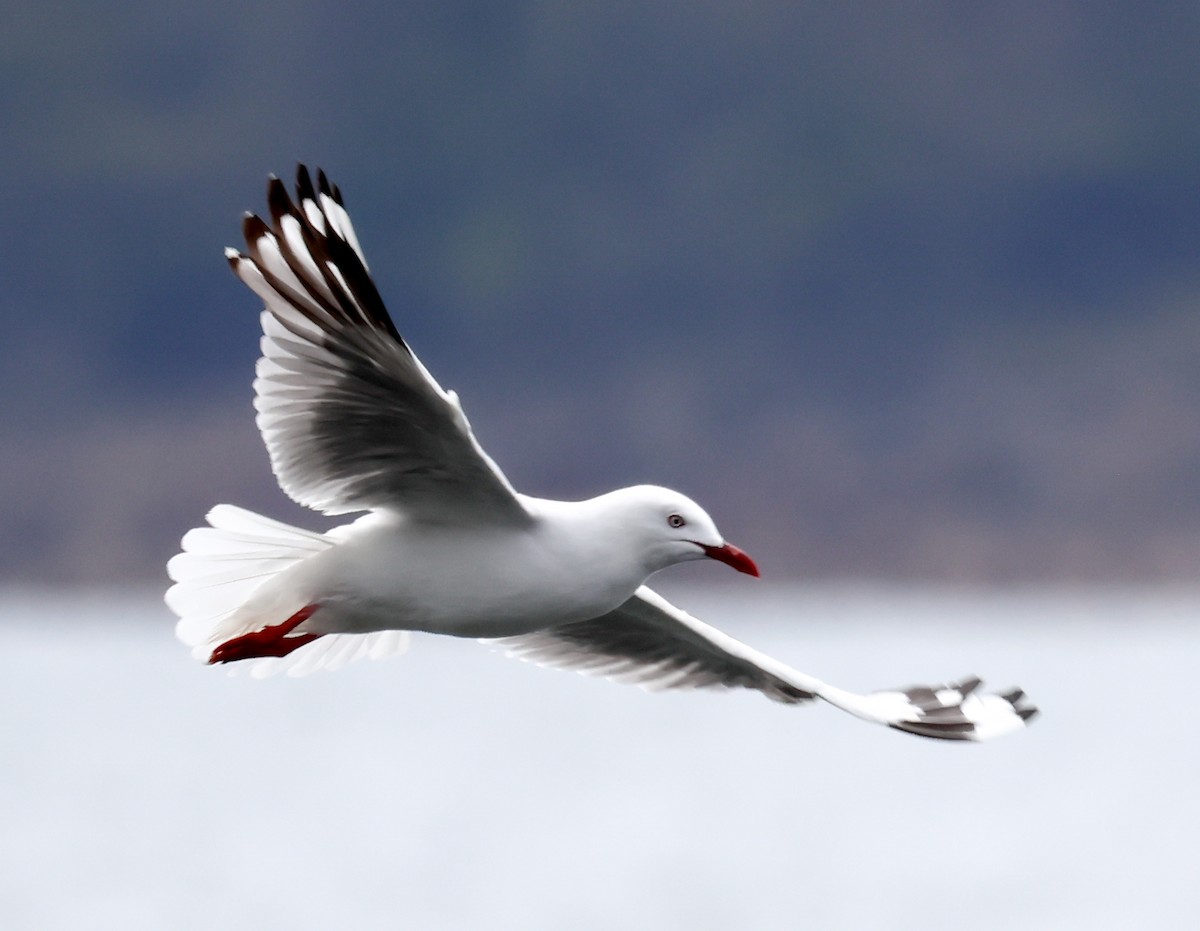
x,y
895,291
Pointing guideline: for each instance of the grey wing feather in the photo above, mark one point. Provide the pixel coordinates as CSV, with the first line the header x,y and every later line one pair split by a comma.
x,y
651,642
351,418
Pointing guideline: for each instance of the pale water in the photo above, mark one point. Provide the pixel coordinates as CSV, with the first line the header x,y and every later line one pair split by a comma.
x,y
452,788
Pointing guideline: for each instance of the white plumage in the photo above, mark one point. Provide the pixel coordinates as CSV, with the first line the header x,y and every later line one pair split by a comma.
x,y
354,422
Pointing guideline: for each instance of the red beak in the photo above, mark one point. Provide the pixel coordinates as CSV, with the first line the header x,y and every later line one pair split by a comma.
x,y
731,556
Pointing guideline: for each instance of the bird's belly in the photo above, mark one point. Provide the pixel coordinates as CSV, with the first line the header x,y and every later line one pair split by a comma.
x,y
480,590
453,616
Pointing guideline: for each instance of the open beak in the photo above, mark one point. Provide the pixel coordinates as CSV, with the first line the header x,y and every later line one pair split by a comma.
x,y
731,556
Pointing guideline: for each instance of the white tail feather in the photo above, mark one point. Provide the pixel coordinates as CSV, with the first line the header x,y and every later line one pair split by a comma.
x,y
223,565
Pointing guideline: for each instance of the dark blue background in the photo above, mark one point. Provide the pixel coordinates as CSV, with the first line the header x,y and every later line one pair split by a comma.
x,y
895,290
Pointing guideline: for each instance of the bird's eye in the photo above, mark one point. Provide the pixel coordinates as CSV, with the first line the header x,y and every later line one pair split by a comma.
x,y
676,521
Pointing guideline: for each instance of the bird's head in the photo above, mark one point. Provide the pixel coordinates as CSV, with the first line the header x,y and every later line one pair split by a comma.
x,y
672,528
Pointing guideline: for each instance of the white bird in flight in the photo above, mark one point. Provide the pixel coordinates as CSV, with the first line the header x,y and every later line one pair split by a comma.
x,y
354,422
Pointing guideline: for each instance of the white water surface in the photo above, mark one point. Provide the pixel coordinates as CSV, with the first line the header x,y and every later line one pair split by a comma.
x,y
452,788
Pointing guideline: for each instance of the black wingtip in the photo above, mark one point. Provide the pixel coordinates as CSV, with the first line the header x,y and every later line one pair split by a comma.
x,y
323,184
277,198
968,685
304,185
254,228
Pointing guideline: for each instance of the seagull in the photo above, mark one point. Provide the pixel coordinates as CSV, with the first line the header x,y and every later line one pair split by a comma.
x,y
353,422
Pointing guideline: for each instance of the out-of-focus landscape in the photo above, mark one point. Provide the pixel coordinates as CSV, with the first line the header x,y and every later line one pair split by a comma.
x,y
898,292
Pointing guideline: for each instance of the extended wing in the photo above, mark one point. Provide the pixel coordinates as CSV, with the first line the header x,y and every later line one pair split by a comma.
x,y
351,418
649,641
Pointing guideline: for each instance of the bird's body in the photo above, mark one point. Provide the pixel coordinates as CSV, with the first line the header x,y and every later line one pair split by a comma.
x,y
572,560
354,422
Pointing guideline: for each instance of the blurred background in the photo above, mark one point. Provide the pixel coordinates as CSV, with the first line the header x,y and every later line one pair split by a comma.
x,y
905,294
898,290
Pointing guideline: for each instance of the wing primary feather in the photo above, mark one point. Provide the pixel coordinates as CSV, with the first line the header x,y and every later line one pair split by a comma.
x,y
305,303
337,263
263,247
356,281
308,199
295,246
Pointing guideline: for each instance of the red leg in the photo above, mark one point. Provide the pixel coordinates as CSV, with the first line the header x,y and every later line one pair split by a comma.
x,y
270,641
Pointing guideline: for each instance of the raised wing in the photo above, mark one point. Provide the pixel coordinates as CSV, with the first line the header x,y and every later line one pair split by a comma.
x,y
649,641
351,418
